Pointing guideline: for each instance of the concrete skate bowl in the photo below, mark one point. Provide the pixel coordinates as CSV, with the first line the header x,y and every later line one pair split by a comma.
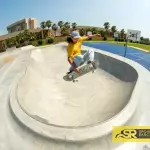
x,y
62,110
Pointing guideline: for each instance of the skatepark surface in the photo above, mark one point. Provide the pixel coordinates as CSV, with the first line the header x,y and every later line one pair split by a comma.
x,y
48,96
42,111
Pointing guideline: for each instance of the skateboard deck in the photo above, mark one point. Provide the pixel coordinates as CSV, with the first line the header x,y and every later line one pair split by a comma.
x,y
82,71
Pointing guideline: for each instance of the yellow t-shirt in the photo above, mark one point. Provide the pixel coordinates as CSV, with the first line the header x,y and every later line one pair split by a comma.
x,y
75,49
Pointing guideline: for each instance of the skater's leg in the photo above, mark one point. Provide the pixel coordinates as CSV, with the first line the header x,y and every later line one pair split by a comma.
x,y
89,56
71,68
78,61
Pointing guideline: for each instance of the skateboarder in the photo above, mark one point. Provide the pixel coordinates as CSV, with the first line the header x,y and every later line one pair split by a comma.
x,y
75,57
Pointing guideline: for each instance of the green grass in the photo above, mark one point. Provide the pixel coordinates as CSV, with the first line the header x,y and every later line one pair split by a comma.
x,y
143,46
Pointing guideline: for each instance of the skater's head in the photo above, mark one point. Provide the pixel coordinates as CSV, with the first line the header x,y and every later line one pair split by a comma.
x,y
75,36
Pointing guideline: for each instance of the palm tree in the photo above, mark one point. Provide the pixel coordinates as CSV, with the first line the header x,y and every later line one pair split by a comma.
x,y
43,26
67,25
60,24
82,31
141,38
55,27
48,24
122,33
74,25
106,26
113,29
103,33
94,30
64,31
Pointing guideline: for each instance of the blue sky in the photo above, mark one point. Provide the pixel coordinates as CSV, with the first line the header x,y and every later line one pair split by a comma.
x,y
125,14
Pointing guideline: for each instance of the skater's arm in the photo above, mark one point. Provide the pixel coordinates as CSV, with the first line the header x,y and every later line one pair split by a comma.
x,y
70,60
90,36
73,65
70,52
94,35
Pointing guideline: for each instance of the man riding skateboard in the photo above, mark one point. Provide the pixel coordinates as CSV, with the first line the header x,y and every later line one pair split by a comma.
x,y
75,58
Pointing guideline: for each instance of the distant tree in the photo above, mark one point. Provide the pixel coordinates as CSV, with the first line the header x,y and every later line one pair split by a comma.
x,y
37,36
60,24
54,28
21,37
74,25
48,24
106,26
122,32
82,31
43,26
141,38
26,35
102,33
67,25
146,41
7,42
11,41
32,36
17,39
64,31
94,30
113,29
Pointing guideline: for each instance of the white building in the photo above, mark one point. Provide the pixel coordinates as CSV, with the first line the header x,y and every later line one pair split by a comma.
x,y
133,35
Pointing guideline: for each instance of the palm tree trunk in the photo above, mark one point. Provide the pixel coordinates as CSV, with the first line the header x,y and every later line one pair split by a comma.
x,y
48,32
42,34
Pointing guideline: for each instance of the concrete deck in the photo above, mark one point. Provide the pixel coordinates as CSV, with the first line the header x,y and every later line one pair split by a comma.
x,y
46,112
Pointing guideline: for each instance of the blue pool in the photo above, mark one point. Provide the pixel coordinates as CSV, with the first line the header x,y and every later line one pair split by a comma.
x,y
139,56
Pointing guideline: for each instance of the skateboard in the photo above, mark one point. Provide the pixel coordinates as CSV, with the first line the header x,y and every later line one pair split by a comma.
x,y
84,69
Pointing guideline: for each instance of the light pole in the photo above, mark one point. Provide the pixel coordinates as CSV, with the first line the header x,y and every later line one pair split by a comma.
x,y
126,44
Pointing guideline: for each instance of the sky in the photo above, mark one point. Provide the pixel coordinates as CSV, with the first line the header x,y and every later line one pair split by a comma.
x,y
124,14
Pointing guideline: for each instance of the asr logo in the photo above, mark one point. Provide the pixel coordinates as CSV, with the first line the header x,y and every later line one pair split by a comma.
x,y
131,134
127,134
